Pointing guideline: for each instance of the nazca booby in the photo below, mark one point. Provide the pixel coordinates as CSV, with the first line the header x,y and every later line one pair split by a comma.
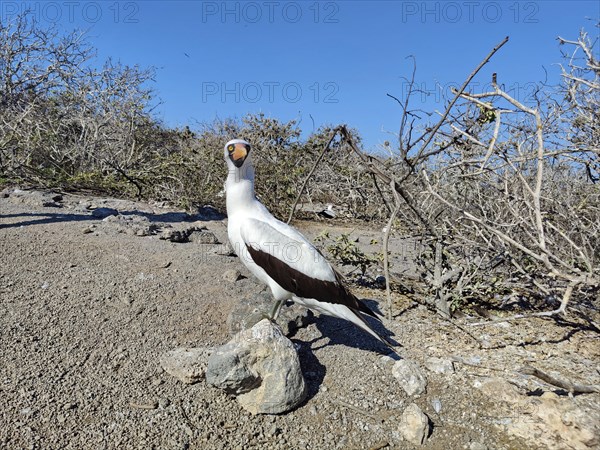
x,y
279,255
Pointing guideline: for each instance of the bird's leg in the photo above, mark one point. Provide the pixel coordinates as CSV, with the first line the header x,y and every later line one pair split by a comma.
x,y
275,310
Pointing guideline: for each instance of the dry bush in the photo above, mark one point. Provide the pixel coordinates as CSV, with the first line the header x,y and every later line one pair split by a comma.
x,y
63,121
505,193
68,121
195,173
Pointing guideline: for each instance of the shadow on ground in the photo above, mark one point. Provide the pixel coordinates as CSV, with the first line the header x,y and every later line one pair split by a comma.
x,y
168,217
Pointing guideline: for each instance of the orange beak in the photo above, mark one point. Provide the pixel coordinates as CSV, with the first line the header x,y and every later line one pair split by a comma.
x,y
239,154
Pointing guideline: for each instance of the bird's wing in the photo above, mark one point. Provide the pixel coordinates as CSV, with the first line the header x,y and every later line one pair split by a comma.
x,y
297,266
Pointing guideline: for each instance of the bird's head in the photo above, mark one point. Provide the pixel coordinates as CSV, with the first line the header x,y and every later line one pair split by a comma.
x,y
237,151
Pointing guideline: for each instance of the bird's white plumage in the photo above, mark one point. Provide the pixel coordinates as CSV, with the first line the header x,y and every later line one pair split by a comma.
x,y
250,223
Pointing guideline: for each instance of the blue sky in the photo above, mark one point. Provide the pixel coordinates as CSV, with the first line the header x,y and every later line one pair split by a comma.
x,y
334,61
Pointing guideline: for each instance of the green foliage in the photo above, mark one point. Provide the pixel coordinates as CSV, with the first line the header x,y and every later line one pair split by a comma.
x,y
345,252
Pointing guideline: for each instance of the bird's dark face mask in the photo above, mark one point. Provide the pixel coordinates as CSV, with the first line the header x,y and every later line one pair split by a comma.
x,y
238,153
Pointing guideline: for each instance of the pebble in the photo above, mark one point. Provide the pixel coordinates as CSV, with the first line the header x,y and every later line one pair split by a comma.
x,y
231,275
411,377
439,365
414,425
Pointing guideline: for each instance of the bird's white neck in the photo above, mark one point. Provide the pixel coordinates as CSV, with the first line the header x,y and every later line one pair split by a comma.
x,y
239,188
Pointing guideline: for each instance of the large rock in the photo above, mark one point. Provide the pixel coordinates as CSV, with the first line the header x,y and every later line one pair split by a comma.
x,y
414,425
186,364
261,367
410,376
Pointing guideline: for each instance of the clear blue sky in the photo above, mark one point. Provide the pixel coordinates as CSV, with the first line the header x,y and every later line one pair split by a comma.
x,y
334,61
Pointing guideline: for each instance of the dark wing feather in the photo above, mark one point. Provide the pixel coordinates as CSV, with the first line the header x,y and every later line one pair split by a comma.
x,y
304,286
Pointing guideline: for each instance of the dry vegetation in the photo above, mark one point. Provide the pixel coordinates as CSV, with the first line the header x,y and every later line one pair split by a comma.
x,y
504,195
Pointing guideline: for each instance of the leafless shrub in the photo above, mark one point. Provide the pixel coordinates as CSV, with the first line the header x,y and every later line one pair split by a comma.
x,y
64,121
505,192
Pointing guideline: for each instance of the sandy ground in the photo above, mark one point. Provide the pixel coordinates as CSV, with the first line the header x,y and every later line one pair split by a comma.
x,y
87,307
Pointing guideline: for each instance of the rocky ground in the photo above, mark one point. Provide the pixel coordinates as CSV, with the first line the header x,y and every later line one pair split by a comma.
x,y
94,292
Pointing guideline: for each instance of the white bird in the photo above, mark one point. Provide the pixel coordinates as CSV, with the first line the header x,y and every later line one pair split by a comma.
x,y
279,255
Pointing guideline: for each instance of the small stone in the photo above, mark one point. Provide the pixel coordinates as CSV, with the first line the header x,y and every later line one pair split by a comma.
x,y
410,376
414,425
203,237
550,394
186,364
27,412
477,446
231,275
439,365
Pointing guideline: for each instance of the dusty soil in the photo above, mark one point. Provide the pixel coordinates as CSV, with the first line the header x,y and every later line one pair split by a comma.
x,y
87,307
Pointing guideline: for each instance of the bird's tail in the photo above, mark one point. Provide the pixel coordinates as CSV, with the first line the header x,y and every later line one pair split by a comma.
x,y
350,314
362,323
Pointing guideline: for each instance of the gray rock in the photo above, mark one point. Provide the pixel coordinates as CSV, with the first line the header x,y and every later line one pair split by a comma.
x,y
252,310
439,365
186,364
411,377
102,213
477,446
203,237
232,275
178,236
183,235
414,425
261,367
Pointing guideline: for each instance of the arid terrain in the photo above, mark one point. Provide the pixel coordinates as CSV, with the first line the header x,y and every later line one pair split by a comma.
x,y
89,301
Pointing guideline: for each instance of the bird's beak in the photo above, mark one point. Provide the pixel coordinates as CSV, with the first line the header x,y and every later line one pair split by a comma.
x,y
239,154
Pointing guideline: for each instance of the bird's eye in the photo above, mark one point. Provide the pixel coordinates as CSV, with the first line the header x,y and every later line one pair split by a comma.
x,y
230,148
